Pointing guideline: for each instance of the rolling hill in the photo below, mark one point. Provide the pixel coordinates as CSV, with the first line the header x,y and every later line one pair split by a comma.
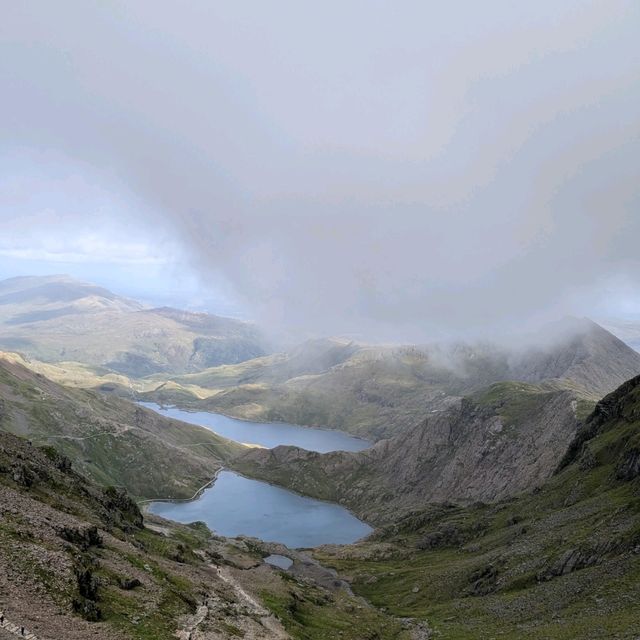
x,y
60,319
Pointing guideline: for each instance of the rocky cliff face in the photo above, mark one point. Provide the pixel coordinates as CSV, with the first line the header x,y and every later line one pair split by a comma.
x,y
483,448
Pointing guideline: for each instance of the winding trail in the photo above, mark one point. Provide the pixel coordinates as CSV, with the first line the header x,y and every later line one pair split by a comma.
x,y
196,495
101,434
254,620
16,630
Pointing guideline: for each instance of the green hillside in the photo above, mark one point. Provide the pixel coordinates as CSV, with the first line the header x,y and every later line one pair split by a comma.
x,y
59,319
560,562
109,439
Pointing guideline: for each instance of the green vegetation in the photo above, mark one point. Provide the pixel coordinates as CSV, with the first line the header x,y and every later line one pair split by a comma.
x,y
311,613
559,562
519,401
109,439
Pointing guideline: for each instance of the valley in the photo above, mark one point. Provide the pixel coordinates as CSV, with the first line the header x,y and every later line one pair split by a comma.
x,y
462,491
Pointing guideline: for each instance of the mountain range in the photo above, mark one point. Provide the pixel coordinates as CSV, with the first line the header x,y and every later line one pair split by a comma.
x,y
376,391
502,482
60,319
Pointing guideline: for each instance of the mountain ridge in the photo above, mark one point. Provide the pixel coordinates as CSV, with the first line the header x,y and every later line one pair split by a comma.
x,y
377,391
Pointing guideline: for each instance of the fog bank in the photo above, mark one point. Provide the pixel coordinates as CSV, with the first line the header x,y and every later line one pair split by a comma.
x,y
392,171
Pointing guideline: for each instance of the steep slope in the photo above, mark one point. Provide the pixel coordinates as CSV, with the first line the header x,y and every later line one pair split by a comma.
x,y
496,443
57,318
627,330
378,391
112,440
582,352
561,562
77,561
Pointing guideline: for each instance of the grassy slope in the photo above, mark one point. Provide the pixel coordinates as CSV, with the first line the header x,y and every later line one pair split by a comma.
x,y
372,392
111,440
45,552
560,562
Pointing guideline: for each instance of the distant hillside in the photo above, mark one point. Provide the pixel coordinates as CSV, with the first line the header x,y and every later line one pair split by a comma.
x,y
57,318
377,391
561,562
111,440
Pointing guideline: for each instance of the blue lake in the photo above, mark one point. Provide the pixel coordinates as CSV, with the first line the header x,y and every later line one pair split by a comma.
x,y
235,505
266,434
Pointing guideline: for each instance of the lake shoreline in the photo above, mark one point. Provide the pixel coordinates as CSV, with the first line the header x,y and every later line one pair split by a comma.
x,y
265,434
202,491
232,503
144,504
191,409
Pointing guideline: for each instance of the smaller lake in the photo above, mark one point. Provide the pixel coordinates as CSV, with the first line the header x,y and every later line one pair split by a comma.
x,y
266,434
235,506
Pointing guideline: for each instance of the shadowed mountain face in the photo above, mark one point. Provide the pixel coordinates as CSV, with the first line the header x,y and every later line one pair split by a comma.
x,y
57,318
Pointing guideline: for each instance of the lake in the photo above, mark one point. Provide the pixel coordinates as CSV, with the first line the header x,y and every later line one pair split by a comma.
x,y
235,505
266,434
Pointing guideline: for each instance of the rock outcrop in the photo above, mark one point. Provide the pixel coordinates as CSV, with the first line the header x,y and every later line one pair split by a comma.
x,y
484,448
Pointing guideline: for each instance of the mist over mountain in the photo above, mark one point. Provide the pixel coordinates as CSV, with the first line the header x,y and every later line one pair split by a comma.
x,y
457,174
348,344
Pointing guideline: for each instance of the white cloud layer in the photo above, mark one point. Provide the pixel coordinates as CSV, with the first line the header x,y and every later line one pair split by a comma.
x,y
403,170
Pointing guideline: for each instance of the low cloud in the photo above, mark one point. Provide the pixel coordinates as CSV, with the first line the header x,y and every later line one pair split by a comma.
x,y
402,172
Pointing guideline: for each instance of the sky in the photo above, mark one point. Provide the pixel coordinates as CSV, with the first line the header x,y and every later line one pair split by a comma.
x,y
388,170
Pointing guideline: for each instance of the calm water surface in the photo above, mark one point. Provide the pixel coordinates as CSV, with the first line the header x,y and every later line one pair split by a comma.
x,y
269,434
239,506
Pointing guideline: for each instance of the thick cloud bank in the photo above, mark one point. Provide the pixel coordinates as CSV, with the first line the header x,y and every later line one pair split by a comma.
x,y
394,170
